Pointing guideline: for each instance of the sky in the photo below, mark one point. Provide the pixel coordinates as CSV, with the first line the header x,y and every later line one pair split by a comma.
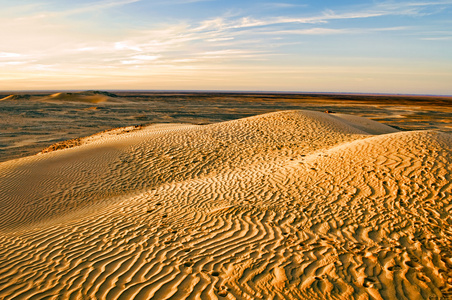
x,y
402,47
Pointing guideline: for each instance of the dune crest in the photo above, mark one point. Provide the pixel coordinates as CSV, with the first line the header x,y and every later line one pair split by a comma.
x,y
16,97
87,96
286,205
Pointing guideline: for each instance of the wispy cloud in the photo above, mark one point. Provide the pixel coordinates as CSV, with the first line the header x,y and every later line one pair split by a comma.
x,y
308,31
9,55
13,63
101,5
146,57
230,52
442,38
188,1
127,46
378,10
173,2
332,31
92,7
220,39
283,5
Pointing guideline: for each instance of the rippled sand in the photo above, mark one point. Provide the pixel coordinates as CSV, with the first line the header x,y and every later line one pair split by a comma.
x,y
287,205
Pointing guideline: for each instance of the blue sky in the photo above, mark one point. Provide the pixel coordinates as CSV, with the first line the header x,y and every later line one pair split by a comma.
x,y
317,46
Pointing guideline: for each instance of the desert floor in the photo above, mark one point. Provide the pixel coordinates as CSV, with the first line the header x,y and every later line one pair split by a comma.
x,y
292,204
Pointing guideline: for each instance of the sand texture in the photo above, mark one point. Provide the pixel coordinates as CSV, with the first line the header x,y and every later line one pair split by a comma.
x,y
286,205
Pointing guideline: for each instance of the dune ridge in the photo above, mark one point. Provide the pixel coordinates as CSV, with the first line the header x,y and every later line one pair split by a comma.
x,y
286,205
16,97
85,96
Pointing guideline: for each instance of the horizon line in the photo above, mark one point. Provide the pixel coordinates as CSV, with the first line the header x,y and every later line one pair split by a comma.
x,y
224,92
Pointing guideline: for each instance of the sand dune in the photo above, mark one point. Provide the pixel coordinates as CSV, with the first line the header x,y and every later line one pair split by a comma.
x,y
16,97
86,96
286,205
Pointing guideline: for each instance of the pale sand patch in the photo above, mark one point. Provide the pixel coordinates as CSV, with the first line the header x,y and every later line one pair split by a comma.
x,y
295,205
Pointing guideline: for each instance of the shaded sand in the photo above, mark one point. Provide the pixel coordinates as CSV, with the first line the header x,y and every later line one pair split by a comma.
x,y
294,204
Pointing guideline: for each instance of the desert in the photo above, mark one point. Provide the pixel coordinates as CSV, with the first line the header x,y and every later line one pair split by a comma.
x,y
205,149
288,204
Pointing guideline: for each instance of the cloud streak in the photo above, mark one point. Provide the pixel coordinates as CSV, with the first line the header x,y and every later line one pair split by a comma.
x,y
93,7
379,10
9,55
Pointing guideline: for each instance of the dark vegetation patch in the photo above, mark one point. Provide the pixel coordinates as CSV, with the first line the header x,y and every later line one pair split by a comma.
x,y
63,145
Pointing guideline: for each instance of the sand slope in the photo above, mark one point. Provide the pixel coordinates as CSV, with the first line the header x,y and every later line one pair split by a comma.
x,y
294,204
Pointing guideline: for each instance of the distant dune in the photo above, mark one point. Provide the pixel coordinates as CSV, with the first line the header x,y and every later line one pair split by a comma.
x,y
87,96
16,97
285,205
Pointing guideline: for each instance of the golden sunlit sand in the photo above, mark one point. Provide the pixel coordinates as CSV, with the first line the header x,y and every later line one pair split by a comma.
x,y
286,205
